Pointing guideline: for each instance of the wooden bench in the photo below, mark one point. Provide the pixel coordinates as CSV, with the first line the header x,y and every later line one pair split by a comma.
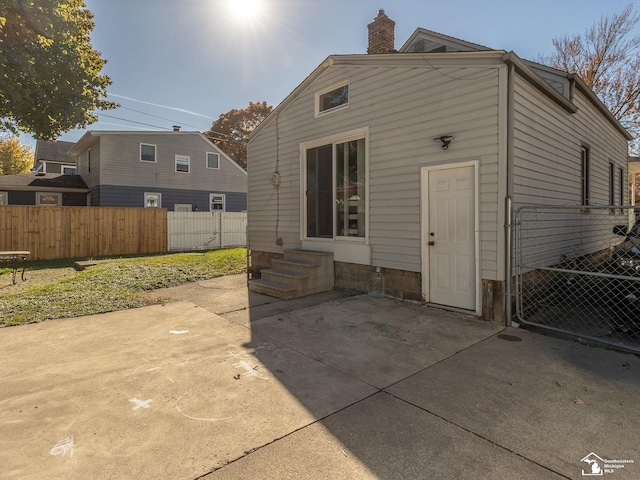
x,y
15,259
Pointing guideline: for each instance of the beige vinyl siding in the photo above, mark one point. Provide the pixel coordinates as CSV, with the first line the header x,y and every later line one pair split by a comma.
x,y
547,142
92,178
547,170
121,163
404,108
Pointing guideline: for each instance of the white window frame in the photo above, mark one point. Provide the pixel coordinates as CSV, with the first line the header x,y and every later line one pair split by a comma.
x,y
182,207
58,196
68,170
207,160
150,195
188,163
224,202
4,198
155,153
324,91
334,140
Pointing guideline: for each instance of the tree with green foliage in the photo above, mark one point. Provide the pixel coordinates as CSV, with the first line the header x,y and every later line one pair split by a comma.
x,y
231,130
50,79
607,57
14,156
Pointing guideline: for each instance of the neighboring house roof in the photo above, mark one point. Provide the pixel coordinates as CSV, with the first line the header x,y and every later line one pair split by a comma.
x,y
438,40
58,151
50,182
90,137
443,47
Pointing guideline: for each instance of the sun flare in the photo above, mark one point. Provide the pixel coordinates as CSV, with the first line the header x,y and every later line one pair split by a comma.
x,y
245,10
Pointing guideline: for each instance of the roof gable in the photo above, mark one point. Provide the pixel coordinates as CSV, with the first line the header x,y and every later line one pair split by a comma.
x,y
428,41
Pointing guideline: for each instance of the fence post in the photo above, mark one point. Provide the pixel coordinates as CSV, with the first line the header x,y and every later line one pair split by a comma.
x,y
508,256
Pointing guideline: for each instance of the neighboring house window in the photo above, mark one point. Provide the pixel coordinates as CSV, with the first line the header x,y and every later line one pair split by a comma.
x,y
335,185
68,170
332,98
147,153
612,186
584,175
216,202
89,160
49,199
152,200
182,163
213,160
4,198
50,167
182,207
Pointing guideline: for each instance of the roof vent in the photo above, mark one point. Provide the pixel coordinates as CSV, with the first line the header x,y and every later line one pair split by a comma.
x,y
176,128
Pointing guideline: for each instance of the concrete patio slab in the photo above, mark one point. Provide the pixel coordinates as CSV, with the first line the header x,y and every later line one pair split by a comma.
x,y
168,391
383,437
378,341
543,398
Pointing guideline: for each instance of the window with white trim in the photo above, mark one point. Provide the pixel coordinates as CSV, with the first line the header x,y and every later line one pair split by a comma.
x,y
4,198
213,160
335,187
152,200
332,98
182,207
183,163
147,153
67,170
216,202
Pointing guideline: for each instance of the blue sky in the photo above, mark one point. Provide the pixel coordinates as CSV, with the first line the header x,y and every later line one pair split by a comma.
x,y
186,62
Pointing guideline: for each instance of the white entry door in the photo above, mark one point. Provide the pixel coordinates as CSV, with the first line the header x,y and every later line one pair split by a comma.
x,y
450,237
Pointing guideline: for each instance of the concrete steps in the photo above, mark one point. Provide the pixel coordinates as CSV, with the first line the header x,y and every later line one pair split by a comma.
x,y
297,274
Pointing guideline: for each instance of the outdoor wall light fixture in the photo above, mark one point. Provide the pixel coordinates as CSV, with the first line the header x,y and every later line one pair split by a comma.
x,y
445,139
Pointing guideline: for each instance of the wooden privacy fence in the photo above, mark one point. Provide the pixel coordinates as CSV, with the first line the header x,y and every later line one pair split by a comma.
x,y
80,232
206,230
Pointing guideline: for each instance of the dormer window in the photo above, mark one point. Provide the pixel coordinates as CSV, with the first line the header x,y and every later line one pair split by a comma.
x,y
333,98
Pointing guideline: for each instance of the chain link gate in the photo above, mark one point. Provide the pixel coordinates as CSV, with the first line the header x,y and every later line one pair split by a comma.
x,y
577,271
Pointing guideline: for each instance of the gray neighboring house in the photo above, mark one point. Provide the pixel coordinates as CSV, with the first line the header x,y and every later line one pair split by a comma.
x,y
52,182
404,160
53,157
52,189
179,171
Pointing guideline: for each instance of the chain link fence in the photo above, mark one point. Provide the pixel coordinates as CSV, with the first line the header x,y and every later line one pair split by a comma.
x,y
577,271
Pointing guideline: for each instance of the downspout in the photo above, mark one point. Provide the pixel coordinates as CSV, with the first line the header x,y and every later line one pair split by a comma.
x,y
508,227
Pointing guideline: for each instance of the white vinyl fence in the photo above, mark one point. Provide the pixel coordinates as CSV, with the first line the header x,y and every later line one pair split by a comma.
x,y
206,230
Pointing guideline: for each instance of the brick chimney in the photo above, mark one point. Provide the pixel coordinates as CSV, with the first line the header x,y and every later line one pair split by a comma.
x,y
381,34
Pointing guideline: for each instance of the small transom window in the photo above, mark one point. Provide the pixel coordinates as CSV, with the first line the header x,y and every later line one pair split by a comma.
x,y
332,99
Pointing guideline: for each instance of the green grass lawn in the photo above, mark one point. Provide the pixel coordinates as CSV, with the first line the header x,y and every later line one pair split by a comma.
x,y
114,284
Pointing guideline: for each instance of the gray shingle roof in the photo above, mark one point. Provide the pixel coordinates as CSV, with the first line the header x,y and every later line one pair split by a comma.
x,y
30,181
48,151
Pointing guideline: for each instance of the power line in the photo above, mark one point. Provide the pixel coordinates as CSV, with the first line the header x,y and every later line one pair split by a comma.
x,y
132,121
156,116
